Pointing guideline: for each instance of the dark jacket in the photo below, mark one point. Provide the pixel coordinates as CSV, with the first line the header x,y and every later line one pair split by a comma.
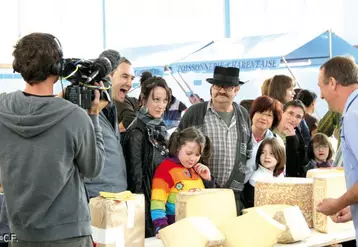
x,y
305,132
195,115
139,155
296,157
312,122
312,164
126,111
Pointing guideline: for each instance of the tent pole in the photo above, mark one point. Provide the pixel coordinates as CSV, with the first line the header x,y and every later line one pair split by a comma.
x,y
187,84
330,43
190,89
135,88
19,31
180,85
227,24
104,29
168,69
289,69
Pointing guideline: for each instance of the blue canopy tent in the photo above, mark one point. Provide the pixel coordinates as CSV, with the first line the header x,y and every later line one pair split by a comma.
x,y
261,57
158,57
318,48
263,52
153,58
258,57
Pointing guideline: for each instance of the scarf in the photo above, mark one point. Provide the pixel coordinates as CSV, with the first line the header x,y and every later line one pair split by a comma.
x,y
156,129
324,164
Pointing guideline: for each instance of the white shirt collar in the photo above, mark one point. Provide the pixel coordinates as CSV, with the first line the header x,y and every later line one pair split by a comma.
x,y
261,174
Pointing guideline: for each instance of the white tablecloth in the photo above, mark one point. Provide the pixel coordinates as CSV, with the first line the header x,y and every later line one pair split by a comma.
x,y
316,240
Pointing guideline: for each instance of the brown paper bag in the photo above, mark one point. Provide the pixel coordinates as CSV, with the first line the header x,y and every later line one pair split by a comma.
x,y
118,224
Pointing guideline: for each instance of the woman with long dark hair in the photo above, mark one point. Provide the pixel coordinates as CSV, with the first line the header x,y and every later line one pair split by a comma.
x,y
145,143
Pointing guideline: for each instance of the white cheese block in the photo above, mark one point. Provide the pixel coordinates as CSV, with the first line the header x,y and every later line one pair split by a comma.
x,y
192,231
321,171
254,229
297,228
291,217
216,204
327,186
288,191
271,210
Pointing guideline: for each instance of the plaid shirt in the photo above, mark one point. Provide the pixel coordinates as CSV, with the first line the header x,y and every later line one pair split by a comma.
x,y
224,140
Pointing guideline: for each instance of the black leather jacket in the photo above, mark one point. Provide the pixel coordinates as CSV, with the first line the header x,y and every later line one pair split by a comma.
x,y
139,155
296,157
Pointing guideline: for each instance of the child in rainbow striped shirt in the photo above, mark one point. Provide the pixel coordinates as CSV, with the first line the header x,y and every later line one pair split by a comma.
x,y
180,172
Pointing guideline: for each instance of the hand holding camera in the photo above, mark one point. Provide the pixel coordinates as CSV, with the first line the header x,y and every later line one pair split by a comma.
x,y
97,104
83,75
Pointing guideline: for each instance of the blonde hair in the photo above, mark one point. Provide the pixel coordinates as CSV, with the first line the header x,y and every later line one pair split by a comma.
x,y
265,87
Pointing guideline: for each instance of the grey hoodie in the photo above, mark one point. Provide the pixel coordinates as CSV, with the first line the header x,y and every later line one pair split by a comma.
x,y
113,177
47,145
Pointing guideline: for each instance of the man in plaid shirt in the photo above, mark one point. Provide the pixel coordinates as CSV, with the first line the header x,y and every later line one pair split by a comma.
x,y
228,126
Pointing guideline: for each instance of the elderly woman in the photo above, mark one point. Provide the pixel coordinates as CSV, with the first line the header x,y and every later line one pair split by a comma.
x,y
265,114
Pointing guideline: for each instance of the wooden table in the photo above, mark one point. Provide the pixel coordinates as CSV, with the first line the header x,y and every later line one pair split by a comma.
x,y
316,240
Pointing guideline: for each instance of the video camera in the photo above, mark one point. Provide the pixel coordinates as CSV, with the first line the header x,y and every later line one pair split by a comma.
x,y
82,74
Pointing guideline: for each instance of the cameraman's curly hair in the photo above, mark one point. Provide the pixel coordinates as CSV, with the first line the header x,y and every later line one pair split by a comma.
x,y
34,56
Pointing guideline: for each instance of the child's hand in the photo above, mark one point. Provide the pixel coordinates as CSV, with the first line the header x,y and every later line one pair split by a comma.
x,y
203,171
157,236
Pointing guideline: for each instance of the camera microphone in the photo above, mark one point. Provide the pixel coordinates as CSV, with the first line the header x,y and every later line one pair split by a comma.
x,y
113,56
101,67
84,73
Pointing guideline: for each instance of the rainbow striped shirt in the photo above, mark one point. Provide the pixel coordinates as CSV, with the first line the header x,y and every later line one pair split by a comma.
x,y
170,178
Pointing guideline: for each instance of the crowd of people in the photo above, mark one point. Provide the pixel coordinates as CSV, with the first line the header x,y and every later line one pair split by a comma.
x,y
55,156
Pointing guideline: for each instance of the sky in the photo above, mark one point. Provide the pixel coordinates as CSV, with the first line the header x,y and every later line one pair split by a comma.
x,y
129,23
79,25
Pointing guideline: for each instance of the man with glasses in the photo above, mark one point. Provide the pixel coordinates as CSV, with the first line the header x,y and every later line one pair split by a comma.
x,y
228,126
293,113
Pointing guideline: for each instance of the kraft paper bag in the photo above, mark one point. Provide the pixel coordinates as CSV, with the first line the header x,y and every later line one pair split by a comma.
x,y
118,223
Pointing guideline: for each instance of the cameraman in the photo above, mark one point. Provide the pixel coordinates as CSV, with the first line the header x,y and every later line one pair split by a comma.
x,y
113,177
47,146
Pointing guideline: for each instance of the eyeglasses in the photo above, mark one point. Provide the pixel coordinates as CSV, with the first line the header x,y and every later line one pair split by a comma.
x,y
320,147
292,114
226,88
